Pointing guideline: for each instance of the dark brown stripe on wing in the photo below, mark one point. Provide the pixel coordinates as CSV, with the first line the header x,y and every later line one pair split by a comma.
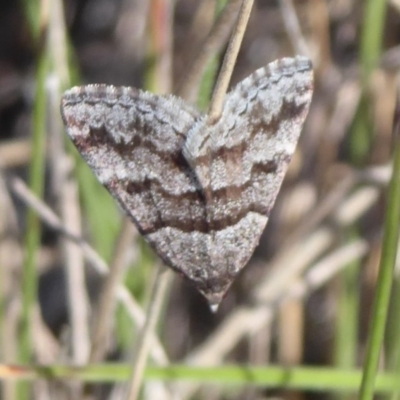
x,y
289,111
191,212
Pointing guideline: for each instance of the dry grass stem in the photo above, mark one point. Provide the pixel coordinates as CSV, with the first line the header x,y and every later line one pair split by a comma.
x,y
395,3
65,191
106,307
15,153
78,301
10,260
162,280
323,209
318,18
58,41
47,349
323,271
347,101
221,86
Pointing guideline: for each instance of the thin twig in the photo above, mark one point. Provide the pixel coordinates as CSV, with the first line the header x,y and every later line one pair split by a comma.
x,y
78,301
229,61
162,281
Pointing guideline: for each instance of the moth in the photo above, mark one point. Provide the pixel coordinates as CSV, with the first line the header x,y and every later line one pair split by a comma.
x,y
199,191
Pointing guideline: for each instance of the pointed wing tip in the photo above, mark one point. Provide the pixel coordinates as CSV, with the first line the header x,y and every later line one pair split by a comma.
x,y
214,307
214,300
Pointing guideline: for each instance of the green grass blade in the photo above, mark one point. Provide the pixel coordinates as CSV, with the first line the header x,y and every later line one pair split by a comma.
x,y
33,231
346,338
316,379
384,284
33,227
372,35
392,347
33,16
370,51
347,320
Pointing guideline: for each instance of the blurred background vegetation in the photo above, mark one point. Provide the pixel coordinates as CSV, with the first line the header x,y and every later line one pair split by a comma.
x,y
304,299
